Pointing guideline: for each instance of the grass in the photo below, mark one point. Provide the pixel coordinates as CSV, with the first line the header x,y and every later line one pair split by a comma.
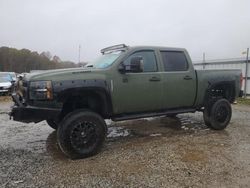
x,y
243,101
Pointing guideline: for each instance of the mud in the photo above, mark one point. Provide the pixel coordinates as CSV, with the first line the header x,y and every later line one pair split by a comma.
x,y
151,152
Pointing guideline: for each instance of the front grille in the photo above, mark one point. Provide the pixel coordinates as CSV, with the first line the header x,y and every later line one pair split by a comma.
x,y
1,88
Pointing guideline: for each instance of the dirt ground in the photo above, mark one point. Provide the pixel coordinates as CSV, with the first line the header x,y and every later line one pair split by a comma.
x,y
152,152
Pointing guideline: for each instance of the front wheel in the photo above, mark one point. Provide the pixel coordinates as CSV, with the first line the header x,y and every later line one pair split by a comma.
x,y
172,115
52,123
220,115
81,134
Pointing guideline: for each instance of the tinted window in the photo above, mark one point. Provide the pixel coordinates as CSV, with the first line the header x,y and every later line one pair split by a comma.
x,y
149,61
174,61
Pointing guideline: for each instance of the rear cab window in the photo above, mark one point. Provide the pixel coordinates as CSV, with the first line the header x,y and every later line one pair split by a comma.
x,y
174,61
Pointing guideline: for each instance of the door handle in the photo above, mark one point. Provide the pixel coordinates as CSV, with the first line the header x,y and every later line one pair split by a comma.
x,y
154,79
187,77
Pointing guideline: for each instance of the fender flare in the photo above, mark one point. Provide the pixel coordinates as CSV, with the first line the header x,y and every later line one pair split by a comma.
x,y
68,88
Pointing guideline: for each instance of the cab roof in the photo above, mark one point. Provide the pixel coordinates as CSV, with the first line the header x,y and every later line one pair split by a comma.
x,y
123,47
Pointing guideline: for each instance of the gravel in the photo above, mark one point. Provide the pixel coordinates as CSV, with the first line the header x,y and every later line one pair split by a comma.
x,y
152,152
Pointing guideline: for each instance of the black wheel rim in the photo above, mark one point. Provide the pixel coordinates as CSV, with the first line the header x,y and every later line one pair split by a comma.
x,y
221,114
83,135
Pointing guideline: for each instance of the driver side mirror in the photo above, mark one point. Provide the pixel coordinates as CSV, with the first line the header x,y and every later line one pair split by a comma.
x,y
135,65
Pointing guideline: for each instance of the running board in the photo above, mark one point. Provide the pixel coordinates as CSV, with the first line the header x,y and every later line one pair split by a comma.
x,y
152,114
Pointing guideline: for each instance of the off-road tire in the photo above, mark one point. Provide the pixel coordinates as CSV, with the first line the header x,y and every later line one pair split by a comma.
x,y
81,134
52,123
171,115
220,115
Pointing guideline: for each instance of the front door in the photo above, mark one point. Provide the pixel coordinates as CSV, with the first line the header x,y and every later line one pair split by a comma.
x,y
139,92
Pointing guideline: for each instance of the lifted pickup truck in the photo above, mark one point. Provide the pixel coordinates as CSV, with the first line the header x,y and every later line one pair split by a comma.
x,y
124,83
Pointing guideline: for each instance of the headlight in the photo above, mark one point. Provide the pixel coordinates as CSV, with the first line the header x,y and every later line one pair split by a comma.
x,y
41,90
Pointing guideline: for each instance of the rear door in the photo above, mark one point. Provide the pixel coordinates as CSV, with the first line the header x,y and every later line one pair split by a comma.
x,y
179,79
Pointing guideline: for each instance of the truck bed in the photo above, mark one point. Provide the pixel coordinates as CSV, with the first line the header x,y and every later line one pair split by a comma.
x,y
208,78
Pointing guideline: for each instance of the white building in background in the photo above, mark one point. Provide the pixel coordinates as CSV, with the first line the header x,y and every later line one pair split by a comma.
x,y
228,64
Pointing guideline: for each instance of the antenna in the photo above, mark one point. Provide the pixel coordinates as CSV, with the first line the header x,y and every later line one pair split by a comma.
x,y
79,55
204,60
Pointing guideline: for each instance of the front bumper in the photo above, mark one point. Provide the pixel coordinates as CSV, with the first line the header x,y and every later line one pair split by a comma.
x,y
4,90
28,114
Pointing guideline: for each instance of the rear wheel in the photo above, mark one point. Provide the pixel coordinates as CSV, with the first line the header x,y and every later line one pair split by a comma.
x,y
220,115
81,134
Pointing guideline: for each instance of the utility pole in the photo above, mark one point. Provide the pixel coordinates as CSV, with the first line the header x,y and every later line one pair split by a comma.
x,y
204,60
79,55
246,75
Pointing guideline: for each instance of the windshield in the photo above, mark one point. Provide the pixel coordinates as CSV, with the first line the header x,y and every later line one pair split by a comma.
x,y
8,76
13,75
104,61
4,79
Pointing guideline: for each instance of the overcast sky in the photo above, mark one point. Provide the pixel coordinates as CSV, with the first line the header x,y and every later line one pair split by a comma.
x,y
221,28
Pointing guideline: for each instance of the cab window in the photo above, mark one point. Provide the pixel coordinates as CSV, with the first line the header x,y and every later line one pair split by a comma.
x,y
149,60
174,61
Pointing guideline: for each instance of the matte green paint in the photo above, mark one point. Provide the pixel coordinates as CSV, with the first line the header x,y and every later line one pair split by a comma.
x,y
134,92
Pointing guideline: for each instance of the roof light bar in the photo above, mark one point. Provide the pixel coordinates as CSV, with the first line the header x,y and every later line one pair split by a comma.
x,y
119,47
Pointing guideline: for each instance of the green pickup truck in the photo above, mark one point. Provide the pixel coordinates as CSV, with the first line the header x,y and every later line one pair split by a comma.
x,y
124,83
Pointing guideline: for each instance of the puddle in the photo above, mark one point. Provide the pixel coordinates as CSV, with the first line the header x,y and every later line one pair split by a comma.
x,y
156,134
40,138
115,132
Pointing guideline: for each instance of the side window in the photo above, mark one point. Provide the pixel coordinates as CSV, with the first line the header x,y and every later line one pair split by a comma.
x,y
149,61
174,61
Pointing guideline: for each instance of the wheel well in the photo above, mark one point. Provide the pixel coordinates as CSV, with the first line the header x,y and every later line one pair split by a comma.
x,y
224,90
95,100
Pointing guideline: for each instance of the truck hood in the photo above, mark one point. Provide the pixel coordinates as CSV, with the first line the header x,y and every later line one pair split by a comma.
x,y
65,74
